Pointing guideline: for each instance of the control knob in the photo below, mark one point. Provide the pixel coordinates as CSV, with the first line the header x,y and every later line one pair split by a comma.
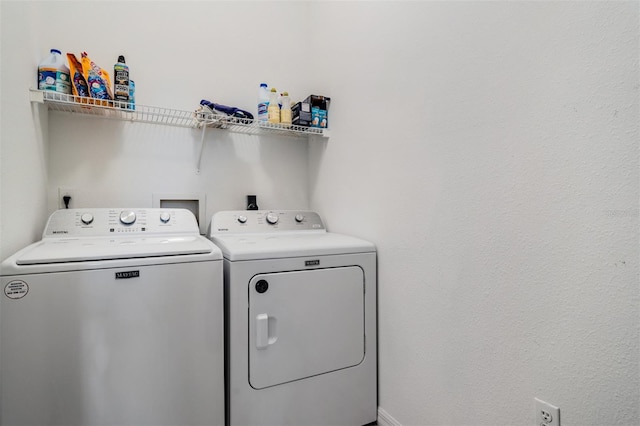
x,y
299,218
242,219
164,217
86,218
272,218
127,217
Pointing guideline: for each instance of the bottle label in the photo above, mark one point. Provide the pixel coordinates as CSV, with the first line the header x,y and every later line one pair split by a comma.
x,y
285,116
121,86
52,79
274,113
132,95
263,108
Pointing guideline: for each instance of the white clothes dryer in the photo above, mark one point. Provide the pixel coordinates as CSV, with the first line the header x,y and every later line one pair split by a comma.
x,y
114,317
300,319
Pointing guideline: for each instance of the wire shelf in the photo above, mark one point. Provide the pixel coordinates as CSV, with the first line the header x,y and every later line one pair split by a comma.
x,y
156,115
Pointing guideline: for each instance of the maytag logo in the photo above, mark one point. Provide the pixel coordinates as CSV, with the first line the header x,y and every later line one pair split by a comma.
x,y
60,232
127,274
315,262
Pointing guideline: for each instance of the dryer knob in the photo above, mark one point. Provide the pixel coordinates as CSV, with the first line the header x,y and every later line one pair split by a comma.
x,y
272,218
299,218
165,217
86,218
127,217
242,219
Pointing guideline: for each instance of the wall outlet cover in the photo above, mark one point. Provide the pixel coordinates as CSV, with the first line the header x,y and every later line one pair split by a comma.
x,y
546,414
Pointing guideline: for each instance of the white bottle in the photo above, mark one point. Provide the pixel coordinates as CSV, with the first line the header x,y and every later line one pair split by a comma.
x,y
263,103
274,108
285,111
53,73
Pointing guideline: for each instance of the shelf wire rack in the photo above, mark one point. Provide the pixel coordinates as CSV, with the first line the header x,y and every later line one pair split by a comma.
x,y
199,118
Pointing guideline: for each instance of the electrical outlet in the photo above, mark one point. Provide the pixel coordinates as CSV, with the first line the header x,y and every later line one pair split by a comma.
x,y
66,192
546,414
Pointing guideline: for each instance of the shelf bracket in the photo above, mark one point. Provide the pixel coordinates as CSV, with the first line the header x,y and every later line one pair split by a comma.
x,y
204,130
36,96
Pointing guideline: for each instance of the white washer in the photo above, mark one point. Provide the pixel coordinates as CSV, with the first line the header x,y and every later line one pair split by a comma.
x,y
114,317
300,311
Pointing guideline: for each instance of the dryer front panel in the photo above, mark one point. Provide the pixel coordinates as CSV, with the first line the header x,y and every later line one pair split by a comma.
x,y
305,323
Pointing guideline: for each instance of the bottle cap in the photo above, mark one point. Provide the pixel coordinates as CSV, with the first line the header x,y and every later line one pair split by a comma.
x,y
263,84
285,93
56,51
121,59
273,89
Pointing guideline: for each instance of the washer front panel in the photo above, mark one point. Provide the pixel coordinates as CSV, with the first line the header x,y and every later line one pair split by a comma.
x,y
119,345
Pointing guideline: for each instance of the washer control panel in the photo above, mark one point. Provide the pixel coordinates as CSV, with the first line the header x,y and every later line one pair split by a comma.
x,y
265,221
109,222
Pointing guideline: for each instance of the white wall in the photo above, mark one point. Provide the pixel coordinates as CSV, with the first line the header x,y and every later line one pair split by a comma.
x,y
192,51
23,145
490,150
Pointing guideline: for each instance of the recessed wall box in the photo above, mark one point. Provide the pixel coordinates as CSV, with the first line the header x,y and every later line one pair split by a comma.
x,y
195,202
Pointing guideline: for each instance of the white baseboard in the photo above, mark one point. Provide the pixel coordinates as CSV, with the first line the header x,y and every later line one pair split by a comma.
x,y
385,419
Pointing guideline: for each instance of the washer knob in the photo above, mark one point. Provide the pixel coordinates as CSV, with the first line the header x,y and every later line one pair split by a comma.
x,y
86,218
242,219
272,218
164,217
299,218
127,217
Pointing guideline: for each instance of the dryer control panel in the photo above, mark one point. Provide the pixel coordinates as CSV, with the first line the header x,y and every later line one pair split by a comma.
x,y
119,221
242,221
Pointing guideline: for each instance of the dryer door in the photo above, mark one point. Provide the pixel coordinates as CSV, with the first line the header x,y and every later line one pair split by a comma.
x,y
304,323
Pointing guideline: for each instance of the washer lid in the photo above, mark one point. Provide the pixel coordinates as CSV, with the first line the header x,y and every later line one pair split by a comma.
x,y
291,244
62,250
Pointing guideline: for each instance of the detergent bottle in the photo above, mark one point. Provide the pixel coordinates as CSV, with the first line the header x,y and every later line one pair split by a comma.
x,y
285,111
263,102
53,74
121,82
274,108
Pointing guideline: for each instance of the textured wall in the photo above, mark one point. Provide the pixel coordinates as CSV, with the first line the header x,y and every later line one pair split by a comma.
x,y
490,150
23,145
191,51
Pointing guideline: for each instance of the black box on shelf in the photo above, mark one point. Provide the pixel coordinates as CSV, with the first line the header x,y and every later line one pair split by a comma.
x,y
319,111
301,114
312,112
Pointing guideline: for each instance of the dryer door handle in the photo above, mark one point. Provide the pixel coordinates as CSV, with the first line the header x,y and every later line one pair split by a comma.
x,y
265,331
